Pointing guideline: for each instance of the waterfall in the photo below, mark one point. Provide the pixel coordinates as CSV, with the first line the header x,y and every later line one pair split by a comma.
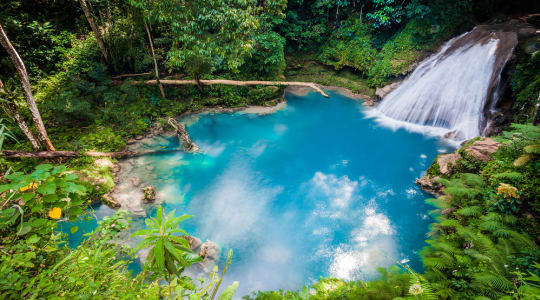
x,y
449,93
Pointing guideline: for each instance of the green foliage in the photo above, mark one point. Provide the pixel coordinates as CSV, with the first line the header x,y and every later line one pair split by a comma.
x,y
31,203
350,46
267,57
481,237
169,254
526,86
5,133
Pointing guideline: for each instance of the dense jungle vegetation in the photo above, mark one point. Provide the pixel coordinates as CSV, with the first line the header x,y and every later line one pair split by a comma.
x,y
82,60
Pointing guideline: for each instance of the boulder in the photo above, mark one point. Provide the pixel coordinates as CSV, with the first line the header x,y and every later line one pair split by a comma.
x,y
430,185
380,93
104,163
110,201
194,242
446,161
209,251
149,194
482,150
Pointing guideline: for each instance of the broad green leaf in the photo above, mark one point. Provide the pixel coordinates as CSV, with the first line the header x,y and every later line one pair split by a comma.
x,y
50,198
44,167
144,244
173,223
159,216
159,255
24,229
47,188
33,239
73,229
70,176
58,169
176,253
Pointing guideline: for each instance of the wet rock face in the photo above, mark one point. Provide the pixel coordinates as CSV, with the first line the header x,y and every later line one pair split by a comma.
x,y
149,194
482,150
430,185
446,161
380,93
110,201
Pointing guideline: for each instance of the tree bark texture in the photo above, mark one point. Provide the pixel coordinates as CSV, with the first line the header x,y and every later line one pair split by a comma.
x,y
27,91
95,29
154,58
233,82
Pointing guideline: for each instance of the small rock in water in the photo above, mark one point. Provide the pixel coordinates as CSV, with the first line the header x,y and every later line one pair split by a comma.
x,y
110,201
136,181
194,242
209,250
149,194
210,254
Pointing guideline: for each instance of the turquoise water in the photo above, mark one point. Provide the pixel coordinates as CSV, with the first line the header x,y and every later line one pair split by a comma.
x,y
315,189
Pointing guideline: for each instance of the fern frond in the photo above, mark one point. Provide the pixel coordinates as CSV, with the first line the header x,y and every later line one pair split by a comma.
x,y
523,160
470,211
533,149
496,281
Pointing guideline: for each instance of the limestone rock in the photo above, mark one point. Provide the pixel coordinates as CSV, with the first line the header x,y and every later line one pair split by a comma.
x,y
110,201
104,163
209,250
380,93
446,161
149,194
482,149
194,242
210,254
430,185
136,181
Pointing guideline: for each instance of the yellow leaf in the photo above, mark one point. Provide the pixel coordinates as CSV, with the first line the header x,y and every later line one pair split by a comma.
x,y
32,185
55,213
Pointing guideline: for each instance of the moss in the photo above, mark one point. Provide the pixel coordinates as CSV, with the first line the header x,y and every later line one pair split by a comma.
x,y
434,169
312,71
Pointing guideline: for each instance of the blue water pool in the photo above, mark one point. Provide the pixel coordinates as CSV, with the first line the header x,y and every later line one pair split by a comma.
x,y
315,189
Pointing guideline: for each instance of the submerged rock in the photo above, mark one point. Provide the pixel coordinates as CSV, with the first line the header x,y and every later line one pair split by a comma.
x,y
136,181
149,194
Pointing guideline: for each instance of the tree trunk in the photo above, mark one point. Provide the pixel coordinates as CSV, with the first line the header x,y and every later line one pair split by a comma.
x,y
25,83
231,82
57,154
536,109
183,136
95,30
154,58
14,113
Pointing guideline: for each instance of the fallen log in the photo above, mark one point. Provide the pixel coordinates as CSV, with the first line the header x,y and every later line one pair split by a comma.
x,y
183,136
59,154
232,82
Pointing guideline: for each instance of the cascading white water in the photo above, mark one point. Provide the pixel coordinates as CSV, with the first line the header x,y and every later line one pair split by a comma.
x,y
447,93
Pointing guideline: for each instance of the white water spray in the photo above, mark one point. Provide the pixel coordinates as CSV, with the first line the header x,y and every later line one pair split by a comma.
x,y
447,93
